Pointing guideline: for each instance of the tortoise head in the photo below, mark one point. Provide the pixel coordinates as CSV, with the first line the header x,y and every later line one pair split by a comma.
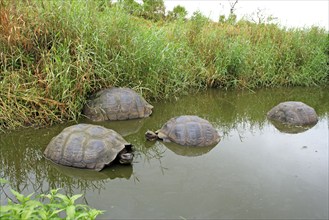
x,y
126,156
148,109
151,136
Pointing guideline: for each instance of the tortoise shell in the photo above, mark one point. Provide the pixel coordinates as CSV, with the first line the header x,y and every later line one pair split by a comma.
x,y
189,130
116,104
85,146
293,113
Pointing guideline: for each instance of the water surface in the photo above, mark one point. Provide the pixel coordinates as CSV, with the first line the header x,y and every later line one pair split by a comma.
x,y
256,171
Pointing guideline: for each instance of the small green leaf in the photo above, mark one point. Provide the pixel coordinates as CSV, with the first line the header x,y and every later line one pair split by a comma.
x,y
75,197
26,214
81,215
18,196
54,191
10,202
70,212
63,197
3,181
43,214
48,196
82,207
34,203
5,209
29,196
54,213
94,212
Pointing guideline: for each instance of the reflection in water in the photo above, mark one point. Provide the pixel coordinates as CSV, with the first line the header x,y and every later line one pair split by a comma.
x,y
290,129
254,172
124,128
112,172
189,151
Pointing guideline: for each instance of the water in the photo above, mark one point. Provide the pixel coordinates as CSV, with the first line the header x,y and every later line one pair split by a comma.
x,y
255,171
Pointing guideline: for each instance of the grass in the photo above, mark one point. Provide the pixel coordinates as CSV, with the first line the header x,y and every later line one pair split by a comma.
x,y
53,54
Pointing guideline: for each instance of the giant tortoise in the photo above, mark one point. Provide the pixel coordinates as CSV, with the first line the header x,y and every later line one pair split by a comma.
x,y
293,113
188,130
88,146
116,104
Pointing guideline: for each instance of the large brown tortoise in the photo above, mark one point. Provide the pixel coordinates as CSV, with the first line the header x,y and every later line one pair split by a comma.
x,y
88,146
293,113
188,130
116,104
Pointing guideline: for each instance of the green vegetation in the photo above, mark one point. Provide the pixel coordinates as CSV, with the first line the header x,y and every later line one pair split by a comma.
x,y
53,54
59,206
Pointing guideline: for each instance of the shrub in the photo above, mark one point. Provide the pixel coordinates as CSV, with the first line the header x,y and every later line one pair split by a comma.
x,y
59,206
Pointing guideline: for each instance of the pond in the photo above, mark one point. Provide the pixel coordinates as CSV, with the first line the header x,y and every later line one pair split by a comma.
x,y
256,171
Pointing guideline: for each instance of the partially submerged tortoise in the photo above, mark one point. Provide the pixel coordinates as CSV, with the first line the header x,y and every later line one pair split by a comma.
x,y
116,104
293,113
88,146
188,130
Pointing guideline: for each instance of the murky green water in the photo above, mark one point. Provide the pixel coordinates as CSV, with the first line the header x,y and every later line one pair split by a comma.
x,y
256,171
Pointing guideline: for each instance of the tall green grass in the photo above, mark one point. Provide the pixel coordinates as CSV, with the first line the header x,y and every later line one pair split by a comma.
x,y
53,54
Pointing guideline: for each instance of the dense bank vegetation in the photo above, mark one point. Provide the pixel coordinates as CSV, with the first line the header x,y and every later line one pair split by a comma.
x,y
53,54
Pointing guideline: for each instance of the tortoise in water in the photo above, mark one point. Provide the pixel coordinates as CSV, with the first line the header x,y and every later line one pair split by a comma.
x,y
88,146
188,130
116,104
293,113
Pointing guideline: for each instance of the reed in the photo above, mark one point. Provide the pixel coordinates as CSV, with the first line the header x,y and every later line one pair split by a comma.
x,y
53,54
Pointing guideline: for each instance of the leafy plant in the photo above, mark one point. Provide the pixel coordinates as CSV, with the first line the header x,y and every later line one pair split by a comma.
x,y
59,206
